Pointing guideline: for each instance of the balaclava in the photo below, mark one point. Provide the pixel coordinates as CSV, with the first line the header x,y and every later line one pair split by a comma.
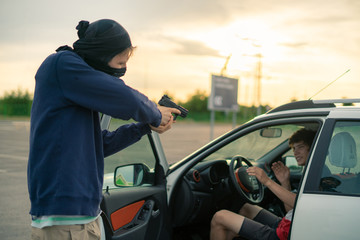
x,y
99,42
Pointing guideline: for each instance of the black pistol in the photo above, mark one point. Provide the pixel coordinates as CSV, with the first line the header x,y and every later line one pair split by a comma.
x,y
165,101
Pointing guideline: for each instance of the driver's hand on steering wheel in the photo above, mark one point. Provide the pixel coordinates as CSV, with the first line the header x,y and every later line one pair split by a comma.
x,y
259,174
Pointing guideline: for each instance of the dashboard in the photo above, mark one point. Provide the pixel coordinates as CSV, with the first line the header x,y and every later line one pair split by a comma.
x,y
202,191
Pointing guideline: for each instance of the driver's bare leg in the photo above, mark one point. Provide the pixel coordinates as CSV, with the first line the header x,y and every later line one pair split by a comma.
x,y
249,211
225,225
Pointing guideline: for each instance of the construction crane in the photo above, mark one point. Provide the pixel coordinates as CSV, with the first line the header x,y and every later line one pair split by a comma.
x,y
223,70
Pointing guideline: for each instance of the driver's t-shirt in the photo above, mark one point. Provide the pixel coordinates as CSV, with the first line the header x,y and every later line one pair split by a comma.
x,y
282,231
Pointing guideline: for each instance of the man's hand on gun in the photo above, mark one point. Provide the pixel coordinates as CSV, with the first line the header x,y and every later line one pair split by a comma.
x,y
167,119
167,109
166,102
166,114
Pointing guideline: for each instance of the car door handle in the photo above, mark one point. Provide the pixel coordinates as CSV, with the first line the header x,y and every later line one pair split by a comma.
x,y
155,213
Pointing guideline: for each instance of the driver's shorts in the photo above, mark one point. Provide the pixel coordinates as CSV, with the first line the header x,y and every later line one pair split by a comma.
x,y
263,226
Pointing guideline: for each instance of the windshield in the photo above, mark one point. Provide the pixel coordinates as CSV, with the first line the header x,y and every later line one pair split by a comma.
x,y
257,143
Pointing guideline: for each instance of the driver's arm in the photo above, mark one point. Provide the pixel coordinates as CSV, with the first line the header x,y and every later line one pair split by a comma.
x,y
282,174
287,197
283,194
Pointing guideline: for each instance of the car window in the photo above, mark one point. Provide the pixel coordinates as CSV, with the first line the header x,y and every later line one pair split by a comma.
x,y
291,163
257,143
139,152
341,170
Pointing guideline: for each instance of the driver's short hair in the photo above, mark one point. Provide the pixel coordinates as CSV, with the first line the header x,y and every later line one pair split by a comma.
x,y
303,134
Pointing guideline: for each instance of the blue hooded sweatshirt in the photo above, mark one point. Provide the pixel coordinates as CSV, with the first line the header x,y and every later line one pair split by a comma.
x,y
67,146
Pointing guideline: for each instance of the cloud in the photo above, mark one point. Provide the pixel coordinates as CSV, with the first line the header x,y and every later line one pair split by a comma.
x,y
192,47
41,20
294,44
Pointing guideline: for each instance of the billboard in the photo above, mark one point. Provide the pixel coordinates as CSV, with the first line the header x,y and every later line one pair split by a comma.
x,y
224,93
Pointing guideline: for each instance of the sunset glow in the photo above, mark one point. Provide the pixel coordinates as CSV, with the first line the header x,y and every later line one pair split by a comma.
x,y
301,47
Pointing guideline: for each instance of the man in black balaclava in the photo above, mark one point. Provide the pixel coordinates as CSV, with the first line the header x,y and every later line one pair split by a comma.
x,y
67,145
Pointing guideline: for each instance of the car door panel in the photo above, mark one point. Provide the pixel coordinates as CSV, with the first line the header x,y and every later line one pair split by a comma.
x,y
134,213
310,222
123,216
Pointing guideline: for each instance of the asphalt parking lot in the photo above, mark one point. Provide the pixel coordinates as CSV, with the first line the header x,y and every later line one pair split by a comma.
x,y
14,200
180,141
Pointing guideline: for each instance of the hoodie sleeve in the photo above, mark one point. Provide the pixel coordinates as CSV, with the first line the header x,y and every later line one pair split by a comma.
x,y
123,137
101,92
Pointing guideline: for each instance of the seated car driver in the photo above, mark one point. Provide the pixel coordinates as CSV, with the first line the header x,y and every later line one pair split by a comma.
x,y
254,222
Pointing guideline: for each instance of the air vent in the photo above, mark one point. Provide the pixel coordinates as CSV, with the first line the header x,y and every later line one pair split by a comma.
x,y
196,176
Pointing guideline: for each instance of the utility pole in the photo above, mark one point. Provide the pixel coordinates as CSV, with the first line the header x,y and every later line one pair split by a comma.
x,y
258,75
257,87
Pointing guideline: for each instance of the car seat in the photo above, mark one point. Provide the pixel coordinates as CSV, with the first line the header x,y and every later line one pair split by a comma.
x,y
342,151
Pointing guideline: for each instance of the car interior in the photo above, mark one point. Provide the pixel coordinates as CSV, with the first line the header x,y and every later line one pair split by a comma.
x,y
212,183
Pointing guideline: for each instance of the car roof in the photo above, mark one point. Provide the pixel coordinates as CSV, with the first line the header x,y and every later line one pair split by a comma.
x,y
312,106
319,108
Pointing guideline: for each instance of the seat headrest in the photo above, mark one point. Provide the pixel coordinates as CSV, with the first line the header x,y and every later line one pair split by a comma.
x,y
342,150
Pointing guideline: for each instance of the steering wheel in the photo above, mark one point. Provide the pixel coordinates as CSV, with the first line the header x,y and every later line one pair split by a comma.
x,y
251,189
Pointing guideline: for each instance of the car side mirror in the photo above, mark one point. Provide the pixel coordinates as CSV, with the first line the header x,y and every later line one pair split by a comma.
x,y
131,175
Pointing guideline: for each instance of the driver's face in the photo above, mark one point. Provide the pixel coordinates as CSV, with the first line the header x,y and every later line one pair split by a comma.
x,y
301,152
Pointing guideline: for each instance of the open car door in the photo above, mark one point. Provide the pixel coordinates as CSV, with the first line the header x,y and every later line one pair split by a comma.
x,y
328,203
134,198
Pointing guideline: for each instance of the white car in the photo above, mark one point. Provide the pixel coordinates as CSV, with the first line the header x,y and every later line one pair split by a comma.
x,y
144,198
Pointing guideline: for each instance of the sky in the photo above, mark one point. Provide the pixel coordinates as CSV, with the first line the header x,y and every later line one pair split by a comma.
x,y
301,46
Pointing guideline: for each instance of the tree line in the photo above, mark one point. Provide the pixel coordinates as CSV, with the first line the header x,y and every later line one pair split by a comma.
x,y
16,103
